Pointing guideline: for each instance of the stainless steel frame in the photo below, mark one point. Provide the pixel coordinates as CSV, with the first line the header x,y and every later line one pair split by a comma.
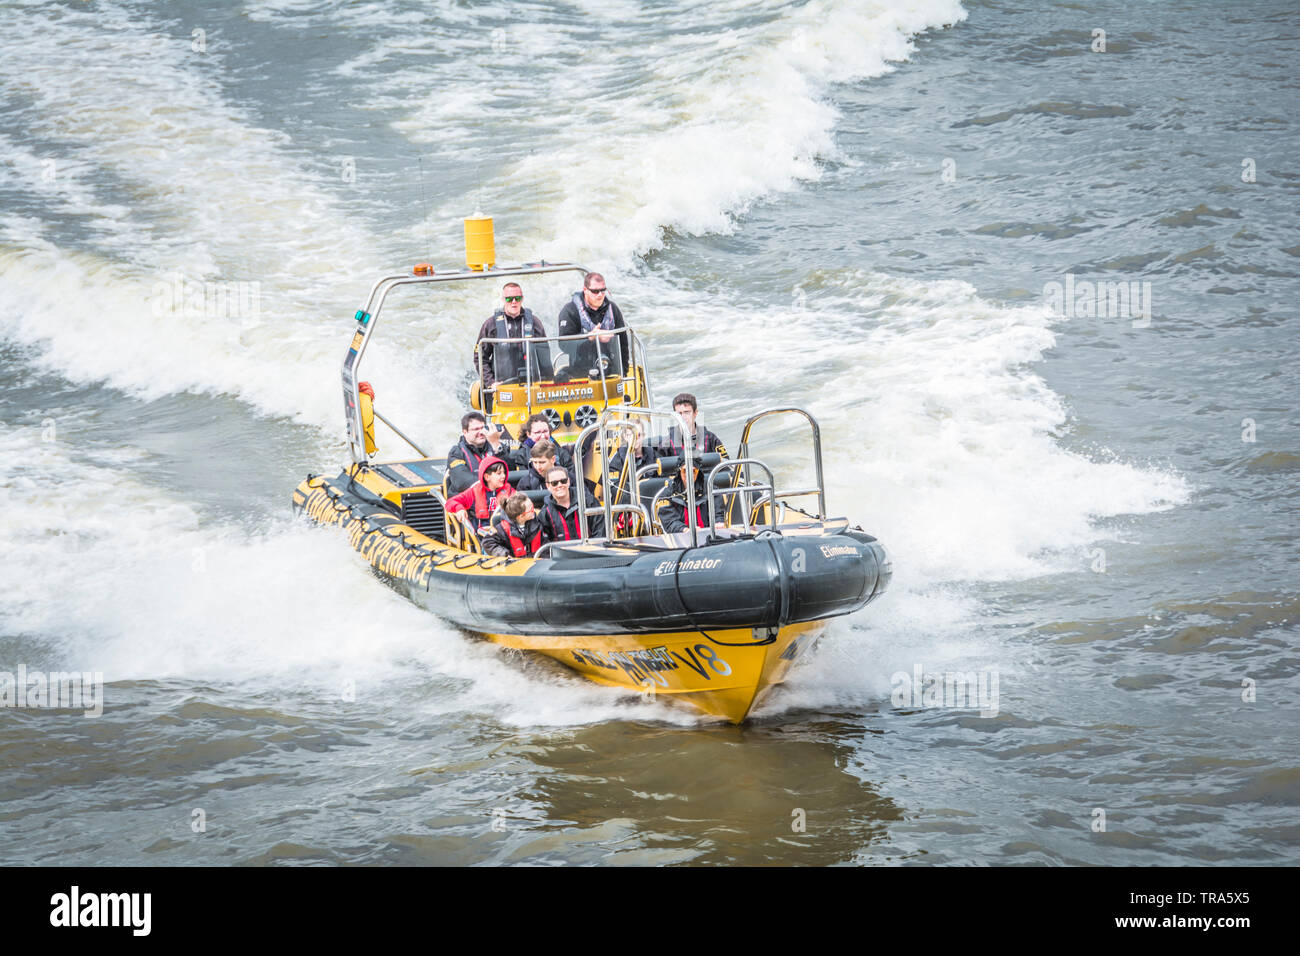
x,y
620,416
636,355
820,490
741,490
615,415
368,318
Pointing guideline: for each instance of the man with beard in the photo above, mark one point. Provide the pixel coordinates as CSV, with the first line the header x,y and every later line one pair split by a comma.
x,y
477,442
593,312
622,473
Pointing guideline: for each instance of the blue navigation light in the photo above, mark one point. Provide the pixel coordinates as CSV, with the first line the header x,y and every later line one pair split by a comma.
x,y
362,316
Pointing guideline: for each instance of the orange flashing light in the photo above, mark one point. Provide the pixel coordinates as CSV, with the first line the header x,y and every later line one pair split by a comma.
x,y
422,269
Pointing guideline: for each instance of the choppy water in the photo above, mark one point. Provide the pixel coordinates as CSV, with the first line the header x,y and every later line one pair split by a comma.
x,y
846,206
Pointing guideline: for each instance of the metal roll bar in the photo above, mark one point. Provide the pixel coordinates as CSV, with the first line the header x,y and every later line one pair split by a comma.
x,y
368,318
418,450
820,490
622,415
778,506
389,282
654,508
713,493
629,507
636,360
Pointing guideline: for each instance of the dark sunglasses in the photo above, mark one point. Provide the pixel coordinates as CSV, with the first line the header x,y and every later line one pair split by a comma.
x,y
513,298
596,291
559,481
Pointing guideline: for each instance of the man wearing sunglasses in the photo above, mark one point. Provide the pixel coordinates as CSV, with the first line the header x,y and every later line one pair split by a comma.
x,y
559,515
505,363
592,311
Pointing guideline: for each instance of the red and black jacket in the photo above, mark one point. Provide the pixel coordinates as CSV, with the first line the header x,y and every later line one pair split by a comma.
x,y
705,443
673,513
509,540
561,524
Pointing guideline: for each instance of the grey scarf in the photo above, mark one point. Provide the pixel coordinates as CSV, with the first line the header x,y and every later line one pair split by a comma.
x,y
585,317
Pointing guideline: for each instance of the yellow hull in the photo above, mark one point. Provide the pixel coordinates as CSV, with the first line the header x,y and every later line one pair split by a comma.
x,y
722,672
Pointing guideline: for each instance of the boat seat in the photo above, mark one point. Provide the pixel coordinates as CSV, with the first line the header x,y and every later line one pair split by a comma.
x,y
461,534
650,487
759,516
670,464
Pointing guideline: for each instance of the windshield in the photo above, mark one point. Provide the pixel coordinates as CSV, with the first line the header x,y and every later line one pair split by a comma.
x,y
565,358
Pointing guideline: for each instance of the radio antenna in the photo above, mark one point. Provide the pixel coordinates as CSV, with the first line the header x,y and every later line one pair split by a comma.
x,y
537,208
424,205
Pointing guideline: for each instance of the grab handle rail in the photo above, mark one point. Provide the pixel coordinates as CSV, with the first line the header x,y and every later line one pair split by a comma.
x,y
820,490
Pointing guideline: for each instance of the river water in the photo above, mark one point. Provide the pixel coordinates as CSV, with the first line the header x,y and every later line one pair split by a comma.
x,y
896,216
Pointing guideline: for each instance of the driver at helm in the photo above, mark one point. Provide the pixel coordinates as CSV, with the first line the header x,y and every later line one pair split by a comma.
x,y
593,312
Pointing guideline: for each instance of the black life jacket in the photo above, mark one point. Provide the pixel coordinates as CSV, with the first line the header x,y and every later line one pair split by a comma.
x,y
701,506
585,319
513,353
677,443
700,520
472,458
527,329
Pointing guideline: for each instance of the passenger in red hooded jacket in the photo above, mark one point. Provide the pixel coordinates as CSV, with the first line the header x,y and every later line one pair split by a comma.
x,y
483,497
